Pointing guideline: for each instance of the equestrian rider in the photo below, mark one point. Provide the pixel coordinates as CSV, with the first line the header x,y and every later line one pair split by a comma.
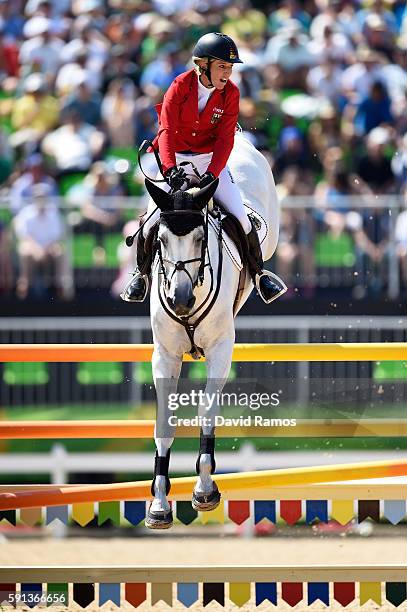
x,y
197,122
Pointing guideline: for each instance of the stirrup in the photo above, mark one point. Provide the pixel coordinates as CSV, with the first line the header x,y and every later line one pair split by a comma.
x,y
123,295
276,280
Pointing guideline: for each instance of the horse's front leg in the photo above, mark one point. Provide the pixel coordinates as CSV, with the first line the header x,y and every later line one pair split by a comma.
x,y
166,371
206,495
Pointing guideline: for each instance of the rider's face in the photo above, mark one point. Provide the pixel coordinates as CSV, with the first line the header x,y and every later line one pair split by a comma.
x,y
220,72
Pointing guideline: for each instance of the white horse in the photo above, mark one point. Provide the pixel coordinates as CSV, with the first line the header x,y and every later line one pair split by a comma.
x,y
176,294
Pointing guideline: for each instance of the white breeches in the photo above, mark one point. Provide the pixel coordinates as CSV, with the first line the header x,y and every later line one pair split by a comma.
x,y
227,192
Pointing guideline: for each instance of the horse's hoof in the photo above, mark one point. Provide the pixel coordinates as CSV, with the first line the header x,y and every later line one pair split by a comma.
x,y
159,520
205,502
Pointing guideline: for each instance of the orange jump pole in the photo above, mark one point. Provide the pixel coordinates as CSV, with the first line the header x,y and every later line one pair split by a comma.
x,y
348,351
246,481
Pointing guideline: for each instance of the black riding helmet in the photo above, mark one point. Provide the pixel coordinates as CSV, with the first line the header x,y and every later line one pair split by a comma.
x,y
216,46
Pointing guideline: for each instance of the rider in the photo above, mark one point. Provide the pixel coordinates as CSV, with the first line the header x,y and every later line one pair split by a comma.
x,y
197,122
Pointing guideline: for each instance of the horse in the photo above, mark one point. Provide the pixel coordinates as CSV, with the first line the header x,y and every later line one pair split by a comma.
x,y
194,284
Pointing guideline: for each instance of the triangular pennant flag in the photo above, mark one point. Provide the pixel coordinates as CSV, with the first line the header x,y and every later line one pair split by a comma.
x,y
109,592
344,592
214,516
185,512
135,511
264,510
290,511
394,510
83,593
135,593
239,511
161,591
214,591
316,509
31,516
291,592
187,593
7,593
396,593
31,594
266,591
57,513
8,515
239,593
370,590
368,508
318,590
57,593
83,513
109,511
342,510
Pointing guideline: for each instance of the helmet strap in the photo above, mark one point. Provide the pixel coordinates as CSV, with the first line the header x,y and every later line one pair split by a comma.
x,y
207,72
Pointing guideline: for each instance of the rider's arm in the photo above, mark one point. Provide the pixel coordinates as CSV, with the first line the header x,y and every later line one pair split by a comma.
x,y
225,133
169,123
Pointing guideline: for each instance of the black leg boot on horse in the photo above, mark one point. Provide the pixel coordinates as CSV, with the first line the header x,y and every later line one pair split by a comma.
x,y
160,487
206,496
137,288
268,284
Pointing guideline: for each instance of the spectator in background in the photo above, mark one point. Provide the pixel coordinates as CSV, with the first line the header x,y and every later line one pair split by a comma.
x,y
9,64
289,58
292,152
401,243
97,192
325,132
6,267
119,113
84,102
74,145
331,43
358,78
34,114
399,164
373,110
323,81
73,71
374,166
22,190
121,66
43,261
295,244
41,52
378,35
162,71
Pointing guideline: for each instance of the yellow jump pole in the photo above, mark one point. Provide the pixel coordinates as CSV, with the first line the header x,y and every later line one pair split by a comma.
x,y
350,351
140,429
227,483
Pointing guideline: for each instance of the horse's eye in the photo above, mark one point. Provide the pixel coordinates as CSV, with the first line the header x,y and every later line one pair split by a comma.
x,y
163,241
198,239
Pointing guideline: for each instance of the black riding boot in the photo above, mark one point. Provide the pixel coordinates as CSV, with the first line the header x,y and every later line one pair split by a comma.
x,y
136,289
268,284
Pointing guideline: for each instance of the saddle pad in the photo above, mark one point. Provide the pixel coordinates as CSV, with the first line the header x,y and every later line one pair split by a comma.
x,y
228,244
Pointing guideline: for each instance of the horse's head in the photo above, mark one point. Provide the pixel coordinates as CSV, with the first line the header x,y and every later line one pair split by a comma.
x,y
182,236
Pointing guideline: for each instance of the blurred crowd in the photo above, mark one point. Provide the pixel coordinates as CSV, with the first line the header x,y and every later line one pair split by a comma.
x,y
323,95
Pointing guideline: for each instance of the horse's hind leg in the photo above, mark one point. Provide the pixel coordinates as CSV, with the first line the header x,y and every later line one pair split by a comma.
x,y
166,369
205,495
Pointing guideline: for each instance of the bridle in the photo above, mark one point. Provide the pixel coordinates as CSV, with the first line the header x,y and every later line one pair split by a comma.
x,y
196,351
180,265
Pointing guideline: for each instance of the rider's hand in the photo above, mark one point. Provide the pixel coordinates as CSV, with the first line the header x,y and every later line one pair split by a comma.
x,y
206,179
176,178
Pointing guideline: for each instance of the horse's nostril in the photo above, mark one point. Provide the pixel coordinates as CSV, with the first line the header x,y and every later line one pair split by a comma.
x,y
191,301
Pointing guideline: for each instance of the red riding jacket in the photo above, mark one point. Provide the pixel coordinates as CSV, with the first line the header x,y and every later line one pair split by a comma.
x,y
182,128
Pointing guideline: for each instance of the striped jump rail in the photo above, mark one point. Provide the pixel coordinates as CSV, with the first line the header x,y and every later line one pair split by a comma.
x,y
76,353
240,585
144,429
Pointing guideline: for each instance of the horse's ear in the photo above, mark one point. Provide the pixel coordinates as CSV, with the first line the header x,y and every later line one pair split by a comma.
x,y
202,197
163,199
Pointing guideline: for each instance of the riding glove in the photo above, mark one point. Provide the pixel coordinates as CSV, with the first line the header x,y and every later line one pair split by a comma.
x,y
176,178
206,179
